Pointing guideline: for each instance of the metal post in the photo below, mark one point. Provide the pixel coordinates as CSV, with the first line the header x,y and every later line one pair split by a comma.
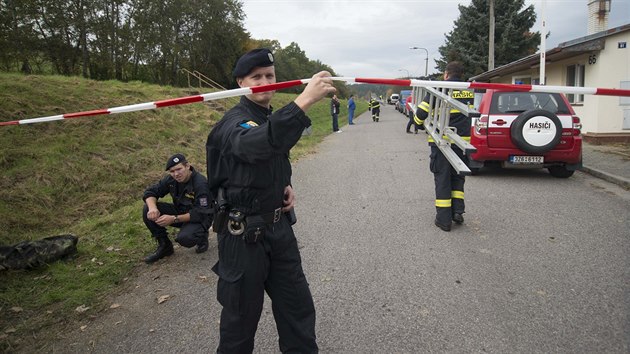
x,y
426,65
543,45
491,38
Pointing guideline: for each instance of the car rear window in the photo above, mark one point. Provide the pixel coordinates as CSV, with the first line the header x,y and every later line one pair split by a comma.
x,y
518,102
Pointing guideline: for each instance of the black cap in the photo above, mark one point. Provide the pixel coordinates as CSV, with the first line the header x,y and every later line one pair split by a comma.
x,y
174,160
254,58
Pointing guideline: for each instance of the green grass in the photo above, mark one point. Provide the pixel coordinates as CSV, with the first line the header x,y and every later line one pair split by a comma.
x,y
86,176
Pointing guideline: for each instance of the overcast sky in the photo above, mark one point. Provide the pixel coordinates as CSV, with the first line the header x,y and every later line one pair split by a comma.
x,y
367,38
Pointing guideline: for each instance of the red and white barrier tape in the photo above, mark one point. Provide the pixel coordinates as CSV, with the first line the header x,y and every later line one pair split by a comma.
x,y
485,85
286,84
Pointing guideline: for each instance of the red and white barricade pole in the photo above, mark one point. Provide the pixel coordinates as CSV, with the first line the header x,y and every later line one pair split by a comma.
x,y
286,84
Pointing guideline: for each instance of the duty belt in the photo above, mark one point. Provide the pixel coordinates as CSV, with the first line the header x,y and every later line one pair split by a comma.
x,y
251,226
272,217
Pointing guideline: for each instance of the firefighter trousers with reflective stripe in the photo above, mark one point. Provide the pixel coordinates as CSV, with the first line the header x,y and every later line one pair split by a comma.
x,y
246,271
449,186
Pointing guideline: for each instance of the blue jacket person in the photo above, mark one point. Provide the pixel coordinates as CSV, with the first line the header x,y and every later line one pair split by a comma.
x,y
190,211
249,175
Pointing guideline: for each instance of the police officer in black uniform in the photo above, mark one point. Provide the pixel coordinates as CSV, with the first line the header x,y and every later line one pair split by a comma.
x,y
249,175
191,210
449,186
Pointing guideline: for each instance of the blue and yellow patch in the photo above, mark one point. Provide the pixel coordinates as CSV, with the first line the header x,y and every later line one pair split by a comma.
x,y
248,124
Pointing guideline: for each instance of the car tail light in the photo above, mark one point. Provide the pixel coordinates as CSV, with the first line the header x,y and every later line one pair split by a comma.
x,y
481,125
577,126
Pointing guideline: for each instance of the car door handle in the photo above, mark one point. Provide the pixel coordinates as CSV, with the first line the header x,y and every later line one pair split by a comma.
x,y
499,122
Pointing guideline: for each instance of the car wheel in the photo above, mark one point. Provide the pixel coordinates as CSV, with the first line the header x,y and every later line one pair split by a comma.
x,y
560,171
536,131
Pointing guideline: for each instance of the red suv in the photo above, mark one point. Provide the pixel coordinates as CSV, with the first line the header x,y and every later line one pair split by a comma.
x,y
527,130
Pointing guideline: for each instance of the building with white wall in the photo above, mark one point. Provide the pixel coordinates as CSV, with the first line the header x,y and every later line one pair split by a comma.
x,y
600,59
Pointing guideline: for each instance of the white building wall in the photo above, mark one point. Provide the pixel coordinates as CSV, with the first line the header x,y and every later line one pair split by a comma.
x,y
610,67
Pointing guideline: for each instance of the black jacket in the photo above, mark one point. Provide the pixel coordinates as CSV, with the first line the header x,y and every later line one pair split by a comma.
x,y
334,106
191,197
248,154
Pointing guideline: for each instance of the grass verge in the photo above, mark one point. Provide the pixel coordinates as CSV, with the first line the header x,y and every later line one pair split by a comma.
x,y
85,177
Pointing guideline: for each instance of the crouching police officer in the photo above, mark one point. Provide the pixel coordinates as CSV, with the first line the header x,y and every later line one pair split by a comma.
x,y
190,211
249,175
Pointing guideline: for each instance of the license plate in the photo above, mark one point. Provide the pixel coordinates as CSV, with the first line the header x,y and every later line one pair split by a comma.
x,y
525,160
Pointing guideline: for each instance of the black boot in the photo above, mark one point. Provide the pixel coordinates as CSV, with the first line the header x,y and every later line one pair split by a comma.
x,y
165,248
202,246
443,227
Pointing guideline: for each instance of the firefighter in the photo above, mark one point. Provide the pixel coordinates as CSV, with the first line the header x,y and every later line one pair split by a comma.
x,y
375,108
249,173
449,186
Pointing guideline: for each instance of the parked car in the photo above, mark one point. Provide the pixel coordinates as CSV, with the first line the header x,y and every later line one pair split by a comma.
x,y
527,130
393,99
402,97
409,107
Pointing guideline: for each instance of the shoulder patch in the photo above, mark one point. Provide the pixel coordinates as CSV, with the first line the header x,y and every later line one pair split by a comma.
x,y
248,124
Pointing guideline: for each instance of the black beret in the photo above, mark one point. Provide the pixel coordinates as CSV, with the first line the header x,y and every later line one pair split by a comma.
x,y
174,160
254,58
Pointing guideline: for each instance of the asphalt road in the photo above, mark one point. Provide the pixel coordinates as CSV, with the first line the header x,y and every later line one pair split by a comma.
x,y
541,264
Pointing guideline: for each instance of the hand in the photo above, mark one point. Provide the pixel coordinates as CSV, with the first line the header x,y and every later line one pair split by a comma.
x,y
165,220
153,214
319,87
289,199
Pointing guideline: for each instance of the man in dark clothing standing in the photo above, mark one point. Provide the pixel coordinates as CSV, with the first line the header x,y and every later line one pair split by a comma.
x,y
250,177
334,111
190,211
449,186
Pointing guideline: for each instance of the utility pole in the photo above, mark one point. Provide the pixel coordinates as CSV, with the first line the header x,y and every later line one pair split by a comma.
x,y
543,45
426,64
491,38
409,77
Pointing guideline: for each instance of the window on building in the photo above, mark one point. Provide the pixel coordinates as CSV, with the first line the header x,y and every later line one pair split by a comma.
x,y
575,77
521,80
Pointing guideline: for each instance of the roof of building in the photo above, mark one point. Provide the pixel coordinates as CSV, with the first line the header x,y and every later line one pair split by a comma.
x,y
564,50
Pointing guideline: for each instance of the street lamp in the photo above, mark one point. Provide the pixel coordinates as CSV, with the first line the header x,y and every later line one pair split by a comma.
x,y
426,66
408,76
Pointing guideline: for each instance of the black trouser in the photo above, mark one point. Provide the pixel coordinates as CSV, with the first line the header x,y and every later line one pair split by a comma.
x,y
449,186
335,122
411,121
246,271
190,233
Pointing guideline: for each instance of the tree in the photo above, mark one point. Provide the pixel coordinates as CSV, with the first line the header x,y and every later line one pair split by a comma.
x,y
468,41
18,38
147,40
